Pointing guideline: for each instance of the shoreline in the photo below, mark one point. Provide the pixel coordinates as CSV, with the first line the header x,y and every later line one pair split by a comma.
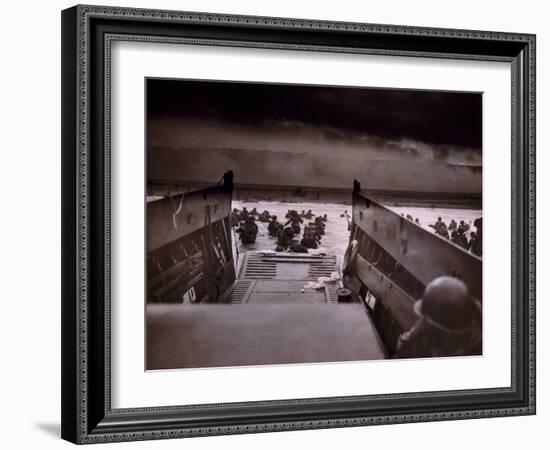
x,y
300,194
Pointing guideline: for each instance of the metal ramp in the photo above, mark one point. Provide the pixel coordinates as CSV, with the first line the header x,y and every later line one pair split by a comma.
x,y
240,292
287,266
267,317
281,277
224,335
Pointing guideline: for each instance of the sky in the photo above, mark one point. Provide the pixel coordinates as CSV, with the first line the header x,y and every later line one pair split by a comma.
x,y
314,135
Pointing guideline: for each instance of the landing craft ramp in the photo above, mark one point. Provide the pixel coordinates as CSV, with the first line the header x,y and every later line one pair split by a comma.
x,y
222,335
264,276
268,317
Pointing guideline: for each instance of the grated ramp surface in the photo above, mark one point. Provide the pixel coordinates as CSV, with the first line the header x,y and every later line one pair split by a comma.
x,y
287,266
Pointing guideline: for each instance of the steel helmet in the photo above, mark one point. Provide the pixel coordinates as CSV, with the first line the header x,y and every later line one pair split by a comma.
x,y
446,304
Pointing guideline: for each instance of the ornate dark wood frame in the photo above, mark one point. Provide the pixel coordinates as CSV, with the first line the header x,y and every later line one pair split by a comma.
x,y
87,33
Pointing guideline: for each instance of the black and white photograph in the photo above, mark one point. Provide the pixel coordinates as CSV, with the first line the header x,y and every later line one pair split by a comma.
x,y
275,225
293,224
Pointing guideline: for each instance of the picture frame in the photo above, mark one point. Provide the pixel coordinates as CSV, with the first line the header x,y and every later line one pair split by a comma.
x,y
87,35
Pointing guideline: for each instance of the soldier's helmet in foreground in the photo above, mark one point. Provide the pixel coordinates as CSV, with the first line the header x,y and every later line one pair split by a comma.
x,y
447,305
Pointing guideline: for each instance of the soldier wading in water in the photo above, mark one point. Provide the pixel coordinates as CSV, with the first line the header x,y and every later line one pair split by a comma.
x,y
284,239
449,323
294,221
248,231
274,226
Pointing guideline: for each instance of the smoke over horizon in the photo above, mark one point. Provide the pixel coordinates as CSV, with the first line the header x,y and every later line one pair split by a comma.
x,y
315,137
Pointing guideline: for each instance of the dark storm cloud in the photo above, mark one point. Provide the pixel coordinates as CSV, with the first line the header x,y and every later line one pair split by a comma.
x,y
295,135
439,118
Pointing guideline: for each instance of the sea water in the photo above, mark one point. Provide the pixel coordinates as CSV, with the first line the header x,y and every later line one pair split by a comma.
x,y
336,237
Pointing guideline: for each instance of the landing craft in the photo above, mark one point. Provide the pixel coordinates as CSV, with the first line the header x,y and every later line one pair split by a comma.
x,y
209,306
391,259
189,247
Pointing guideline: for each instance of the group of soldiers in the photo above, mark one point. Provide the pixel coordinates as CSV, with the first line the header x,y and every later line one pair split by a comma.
x,y
287,233
458,234
241,215
409,217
